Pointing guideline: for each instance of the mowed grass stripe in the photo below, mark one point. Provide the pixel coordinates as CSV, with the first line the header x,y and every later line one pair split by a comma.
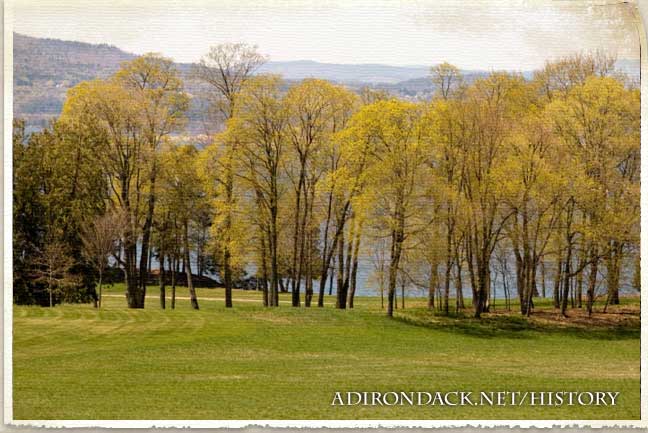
x,y
250,362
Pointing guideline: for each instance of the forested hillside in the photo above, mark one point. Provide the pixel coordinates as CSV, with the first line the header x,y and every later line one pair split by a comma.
x,y
44,69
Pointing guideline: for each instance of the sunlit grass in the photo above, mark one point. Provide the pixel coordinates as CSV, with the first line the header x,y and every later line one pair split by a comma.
x,y
250,362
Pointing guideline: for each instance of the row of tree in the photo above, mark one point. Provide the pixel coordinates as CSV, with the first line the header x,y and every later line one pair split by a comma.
x,y
538,176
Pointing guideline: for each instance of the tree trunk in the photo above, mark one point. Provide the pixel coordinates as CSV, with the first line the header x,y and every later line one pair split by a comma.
x,y
531,276
162,283
333,272
566,281
458,281
432,286
354,266
579,278
557,280
134,296
507,300
264,267
227,255
146,236
192,290
448,270
382,288
471,268
294,277
396,249
100,287
614,260
326,257
273,300
520,278
308,298
395,300
543,275
340,301
172,266
487,285
591,289
480,301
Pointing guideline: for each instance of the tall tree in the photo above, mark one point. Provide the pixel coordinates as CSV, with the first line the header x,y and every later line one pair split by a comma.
x,y
154,82
397,145
493,105
598,121
313,107
259,128
132,112
534,180
182,195
56,188
226,68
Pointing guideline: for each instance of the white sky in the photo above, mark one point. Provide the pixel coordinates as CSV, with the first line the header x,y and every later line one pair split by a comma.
x,y
472,34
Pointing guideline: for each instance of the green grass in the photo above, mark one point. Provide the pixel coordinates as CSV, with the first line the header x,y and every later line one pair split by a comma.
x,y
75,362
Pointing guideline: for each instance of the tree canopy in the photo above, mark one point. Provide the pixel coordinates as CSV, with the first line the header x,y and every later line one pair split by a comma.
x,y
498,182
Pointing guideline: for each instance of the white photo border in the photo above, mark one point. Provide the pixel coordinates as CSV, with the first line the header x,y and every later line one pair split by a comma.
x,y
641,15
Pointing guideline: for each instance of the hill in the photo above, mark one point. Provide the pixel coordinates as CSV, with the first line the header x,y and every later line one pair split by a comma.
x,y
66,62
44,69
362,73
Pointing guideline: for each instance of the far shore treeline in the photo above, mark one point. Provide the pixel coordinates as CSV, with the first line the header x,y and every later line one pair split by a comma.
x,y
534,181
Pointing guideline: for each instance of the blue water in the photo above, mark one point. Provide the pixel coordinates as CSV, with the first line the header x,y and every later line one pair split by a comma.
x,y
368,285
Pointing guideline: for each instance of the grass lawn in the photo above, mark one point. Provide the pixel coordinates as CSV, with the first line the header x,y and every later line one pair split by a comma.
x,y
76,362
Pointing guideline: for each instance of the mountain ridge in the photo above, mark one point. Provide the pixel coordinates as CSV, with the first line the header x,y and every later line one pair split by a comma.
x,y
372,73
45,68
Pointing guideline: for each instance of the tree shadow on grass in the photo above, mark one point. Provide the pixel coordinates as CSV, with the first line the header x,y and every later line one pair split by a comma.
x,y
515,326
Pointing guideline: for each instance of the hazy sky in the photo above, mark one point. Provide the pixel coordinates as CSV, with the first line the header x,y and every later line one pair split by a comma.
x,y
472,34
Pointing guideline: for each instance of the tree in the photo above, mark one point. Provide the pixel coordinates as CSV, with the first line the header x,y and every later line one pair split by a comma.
x,y
226,69
560,75
131,112
598,121
100,238
302,178
331,194
313,106
182,196
56,187
447,79
449,170
397,145
154,83
534,179
106,107
28,211
259,129
493,105
52,267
